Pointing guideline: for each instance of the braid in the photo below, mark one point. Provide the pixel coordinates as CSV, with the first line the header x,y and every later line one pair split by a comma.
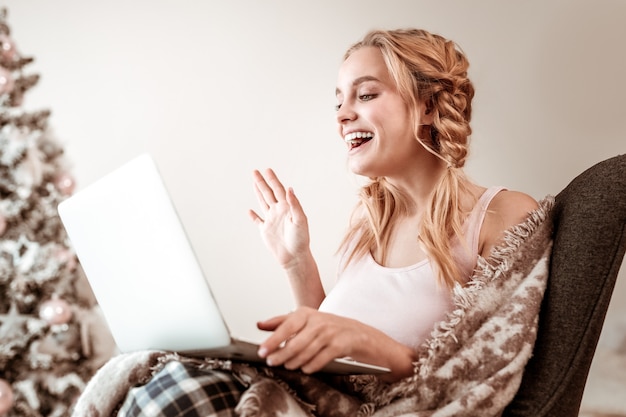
x,y
453,108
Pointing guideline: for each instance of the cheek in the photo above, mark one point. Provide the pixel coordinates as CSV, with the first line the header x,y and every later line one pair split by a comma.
x,y
393,117
396,130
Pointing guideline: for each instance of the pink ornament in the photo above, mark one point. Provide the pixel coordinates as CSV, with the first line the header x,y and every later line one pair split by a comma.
x,y
7,47
6,81
55,311
65,184
6,396
3,224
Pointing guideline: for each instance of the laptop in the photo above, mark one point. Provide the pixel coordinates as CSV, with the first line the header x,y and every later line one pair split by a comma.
x,y
144,272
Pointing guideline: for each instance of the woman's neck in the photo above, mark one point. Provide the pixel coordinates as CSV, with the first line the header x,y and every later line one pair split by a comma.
x,y
418,184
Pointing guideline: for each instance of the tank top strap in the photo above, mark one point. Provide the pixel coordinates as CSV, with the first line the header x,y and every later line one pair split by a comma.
x,y
477,216
466,251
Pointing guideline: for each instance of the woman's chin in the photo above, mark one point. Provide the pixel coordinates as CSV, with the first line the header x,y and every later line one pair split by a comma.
x,y
360,169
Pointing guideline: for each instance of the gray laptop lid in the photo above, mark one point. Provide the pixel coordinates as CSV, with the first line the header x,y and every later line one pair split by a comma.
x,y
153,293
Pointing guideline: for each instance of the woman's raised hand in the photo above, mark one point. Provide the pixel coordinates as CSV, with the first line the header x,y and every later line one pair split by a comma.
x,y
282,222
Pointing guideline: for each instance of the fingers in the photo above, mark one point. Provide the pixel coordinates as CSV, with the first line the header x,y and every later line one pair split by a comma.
x,y
255,217
305,352
299,341
312,363
284,327
260,197
271,324
297,213
275,184
270,191
268,188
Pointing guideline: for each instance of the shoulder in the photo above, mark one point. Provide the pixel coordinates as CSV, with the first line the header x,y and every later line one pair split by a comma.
x,y
507,208
512,205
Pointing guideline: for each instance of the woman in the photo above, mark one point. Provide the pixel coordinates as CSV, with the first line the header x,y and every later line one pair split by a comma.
x,y
404,106
403,110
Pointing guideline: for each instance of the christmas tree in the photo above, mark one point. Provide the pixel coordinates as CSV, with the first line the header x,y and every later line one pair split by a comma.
x,y
52,335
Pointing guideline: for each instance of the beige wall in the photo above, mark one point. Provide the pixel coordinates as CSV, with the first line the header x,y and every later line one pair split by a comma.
x,y
214,89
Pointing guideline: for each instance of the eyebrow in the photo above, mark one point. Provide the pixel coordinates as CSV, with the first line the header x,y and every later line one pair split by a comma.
x,y
358,81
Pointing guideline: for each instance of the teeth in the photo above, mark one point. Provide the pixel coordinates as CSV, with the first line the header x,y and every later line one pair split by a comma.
x,y
352,137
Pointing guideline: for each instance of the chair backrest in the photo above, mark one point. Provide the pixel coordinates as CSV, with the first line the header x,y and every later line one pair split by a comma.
x,y
589,245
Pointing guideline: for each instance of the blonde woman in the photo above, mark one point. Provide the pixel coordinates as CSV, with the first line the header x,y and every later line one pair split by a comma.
x,y
404,105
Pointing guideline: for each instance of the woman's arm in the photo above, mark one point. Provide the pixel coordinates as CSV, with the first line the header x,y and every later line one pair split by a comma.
x,y
308,339
285,231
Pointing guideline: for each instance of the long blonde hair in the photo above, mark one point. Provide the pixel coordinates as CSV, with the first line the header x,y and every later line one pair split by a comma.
x,y
432,71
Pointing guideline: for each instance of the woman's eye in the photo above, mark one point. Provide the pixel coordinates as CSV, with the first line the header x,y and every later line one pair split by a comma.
x,y
361,97
367,97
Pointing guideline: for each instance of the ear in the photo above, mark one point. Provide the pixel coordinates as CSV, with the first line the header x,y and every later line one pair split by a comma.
x,y
427,115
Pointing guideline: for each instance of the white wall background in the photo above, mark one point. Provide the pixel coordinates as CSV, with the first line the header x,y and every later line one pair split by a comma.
x,y
215,89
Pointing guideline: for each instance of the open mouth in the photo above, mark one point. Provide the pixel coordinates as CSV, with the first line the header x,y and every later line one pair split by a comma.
x,y
356,139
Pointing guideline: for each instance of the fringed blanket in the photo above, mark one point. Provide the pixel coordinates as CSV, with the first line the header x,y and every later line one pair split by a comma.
x,y
472,364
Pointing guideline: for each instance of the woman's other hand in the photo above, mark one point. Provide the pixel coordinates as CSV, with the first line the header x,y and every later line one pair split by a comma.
x,y
308,339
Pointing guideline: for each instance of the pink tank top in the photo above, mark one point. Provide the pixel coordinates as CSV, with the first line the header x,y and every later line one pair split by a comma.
x,y
405,303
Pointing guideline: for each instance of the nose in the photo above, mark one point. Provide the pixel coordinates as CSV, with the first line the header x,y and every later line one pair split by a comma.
x,y
345,113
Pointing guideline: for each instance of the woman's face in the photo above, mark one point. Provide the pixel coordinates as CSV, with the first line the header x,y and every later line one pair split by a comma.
x,y
373,119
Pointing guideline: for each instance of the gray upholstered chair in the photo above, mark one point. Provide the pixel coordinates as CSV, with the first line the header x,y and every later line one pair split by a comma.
x,y
589,245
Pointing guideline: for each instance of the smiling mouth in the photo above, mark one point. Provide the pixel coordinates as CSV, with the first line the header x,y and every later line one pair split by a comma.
x,y
356,139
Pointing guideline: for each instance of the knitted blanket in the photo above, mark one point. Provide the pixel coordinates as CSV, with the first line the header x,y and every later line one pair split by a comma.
x,y
471,365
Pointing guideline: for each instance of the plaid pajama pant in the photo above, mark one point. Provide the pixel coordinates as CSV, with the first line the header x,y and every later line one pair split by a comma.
x,y
184,391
